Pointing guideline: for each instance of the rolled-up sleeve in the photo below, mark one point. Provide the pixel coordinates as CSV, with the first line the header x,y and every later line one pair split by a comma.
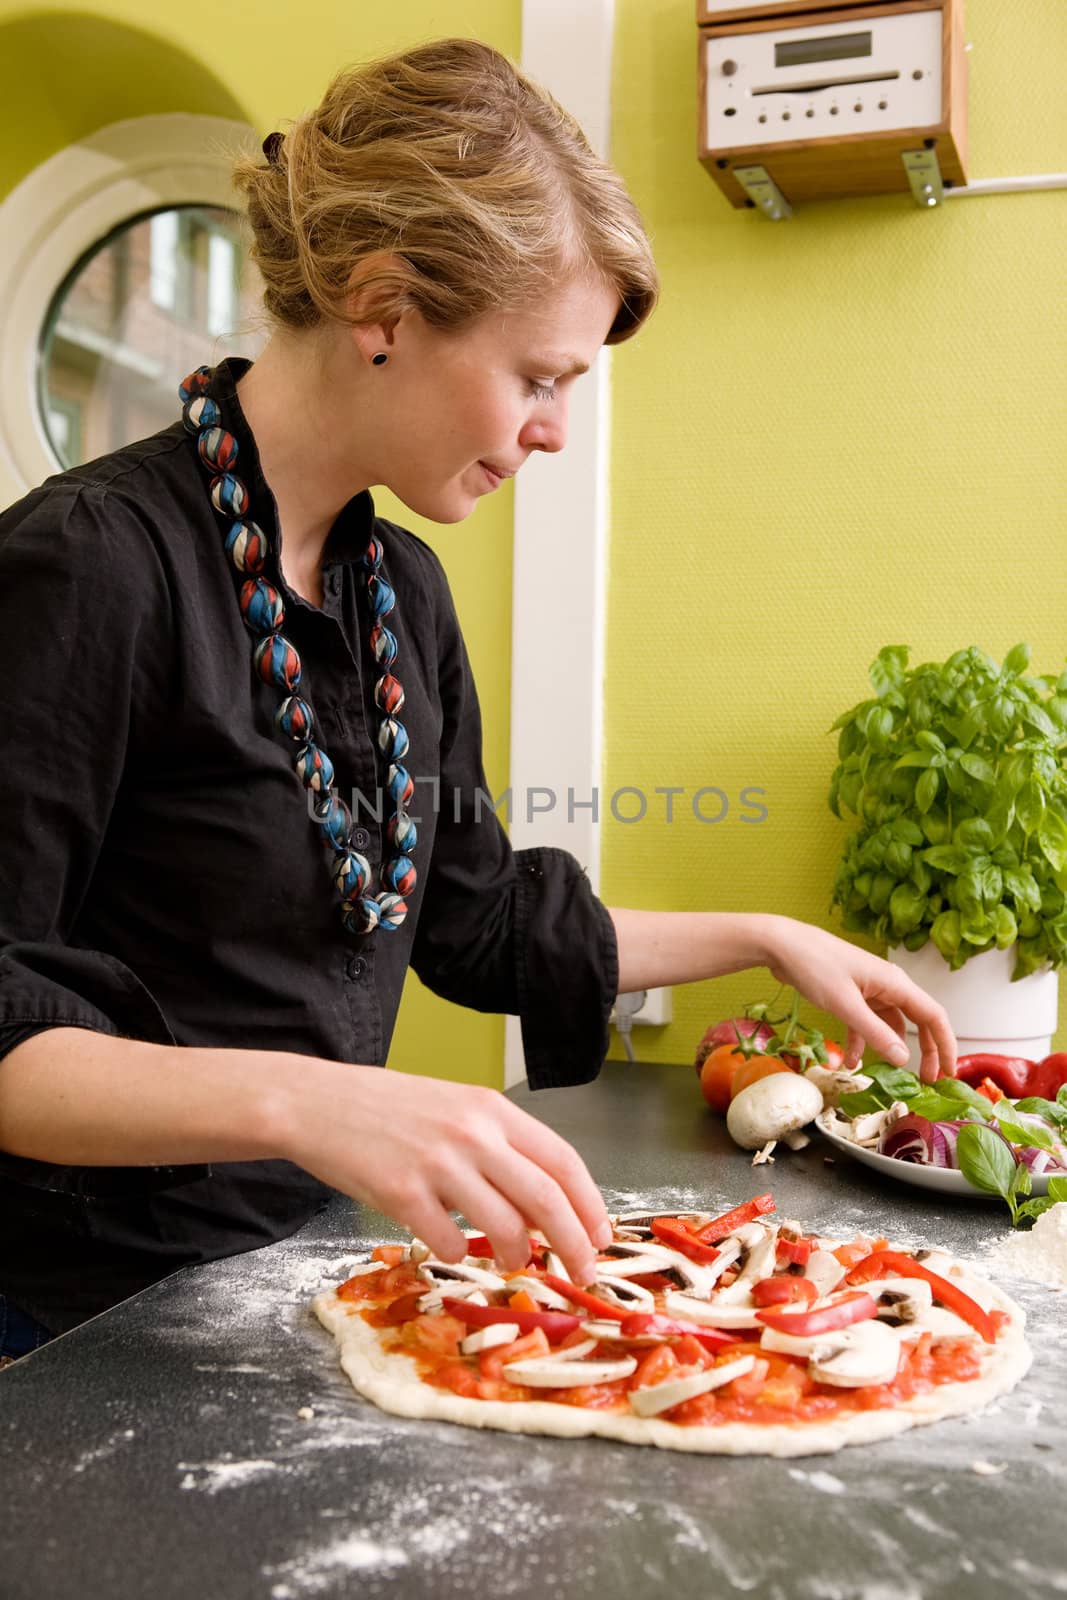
x,y
83,619
499,930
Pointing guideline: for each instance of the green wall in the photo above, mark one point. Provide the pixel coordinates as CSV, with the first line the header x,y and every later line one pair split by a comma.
x,y
838,432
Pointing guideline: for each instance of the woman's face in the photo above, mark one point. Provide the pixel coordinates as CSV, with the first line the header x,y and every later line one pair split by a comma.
x,y
458,413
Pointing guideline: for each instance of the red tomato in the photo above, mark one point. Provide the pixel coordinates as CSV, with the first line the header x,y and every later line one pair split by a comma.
x,y
717,1075
755,1069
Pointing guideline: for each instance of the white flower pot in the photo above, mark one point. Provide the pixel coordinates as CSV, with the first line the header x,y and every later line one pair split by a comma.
x,y
987,1011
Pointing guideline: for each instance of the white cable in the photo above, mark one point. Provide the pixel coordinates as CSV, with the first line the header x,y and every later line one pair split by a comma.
x,y
1040,180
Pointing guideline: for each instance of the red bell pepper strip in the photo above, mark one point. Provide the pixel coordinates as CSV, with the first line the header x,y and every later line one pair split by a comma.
x,y
797,1250
482,1247
859,1307
581,1297
642,1322
991,1090
784,1290
556,1324
893,1264
1014,1074
674,1233
736,1218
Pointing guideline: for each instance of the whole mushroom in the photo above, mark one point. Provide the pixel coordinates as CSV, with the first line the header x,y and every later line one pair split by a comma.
x,y
773,1108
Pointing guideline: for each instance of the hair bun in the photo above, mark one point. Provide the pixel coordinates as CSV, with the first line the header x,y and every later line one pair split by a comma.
x,y
272,145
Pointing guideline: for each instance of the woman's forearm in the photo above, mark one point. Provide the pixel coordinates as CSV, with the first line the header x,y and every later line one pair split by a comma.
x,y
660,948
74,1097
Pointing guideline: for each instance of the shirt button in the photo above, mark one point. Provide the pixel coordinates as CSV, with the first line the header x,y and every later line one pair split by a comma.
x,y
355,967
333,583
360,838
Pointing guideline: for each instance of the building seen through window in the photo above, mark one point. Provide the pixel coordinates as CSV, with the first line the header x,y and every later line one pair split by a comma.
x,y
149,302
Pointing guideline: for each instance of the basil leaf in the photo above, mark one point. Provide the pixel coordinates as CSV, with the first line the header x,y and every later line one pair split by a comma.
x,y
896,1081
1039,1138
861,1101
985,1160
955,1089
1054,1113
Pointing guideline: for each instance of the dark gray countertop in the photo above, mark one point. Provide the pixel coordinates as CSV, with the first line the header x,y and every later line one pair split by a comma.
x,y
157,1451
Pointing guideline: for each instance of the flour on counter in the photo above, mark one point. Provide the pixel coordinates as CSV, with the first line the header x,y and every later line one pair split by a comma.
x,y
819,1480
213,1476
1041,1253
320,1570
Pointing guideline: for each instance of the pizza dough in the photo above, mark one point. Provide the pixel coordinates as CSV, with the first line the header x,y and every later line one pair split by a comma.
x,y
390,1378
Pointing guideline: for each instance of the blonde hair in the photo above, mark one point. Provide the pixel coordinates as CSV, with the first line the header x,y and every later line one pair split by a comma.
x,y
442,179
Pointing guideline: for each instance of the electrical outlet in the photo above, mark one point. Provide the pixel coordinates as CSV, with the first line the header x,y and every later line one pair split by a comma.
x,y
656,1011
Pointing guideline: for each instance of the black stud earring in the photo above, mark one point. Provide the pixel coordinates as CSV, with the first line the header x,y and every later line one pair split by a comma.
x,y
380,359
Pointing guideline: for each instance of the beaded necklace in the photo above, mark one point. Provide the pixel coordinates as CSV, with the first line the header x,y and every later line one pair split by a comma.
x,y
276,661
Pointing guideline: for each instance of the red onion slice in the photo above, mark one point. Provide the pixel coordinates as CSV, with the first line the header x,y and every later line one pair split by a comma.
x,y
911,1138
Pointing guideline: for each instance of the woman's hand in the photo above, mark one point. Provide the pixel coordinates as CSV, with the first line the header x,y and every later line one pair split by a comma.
x,y
418,1148
871,996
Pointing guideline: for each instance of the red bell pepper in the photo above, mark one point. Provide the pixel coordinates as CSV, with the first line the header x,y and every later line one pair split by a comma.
x,y
843,1313
736,1218
1016,1075
795,1250
482,1247
556,1324
784,1290
642,1322
1051,1075
669,1230
991,1090
581,1297
893,1264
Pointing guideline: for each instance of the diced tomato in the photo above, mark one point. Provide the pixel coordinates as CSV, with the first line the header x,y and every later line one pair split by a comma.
x,y
366,1286
491,1363
654,1367
721,1226
749,1384
402,1309
581,1297
893,1263
858,1307
391,1254
849,1254
784,1386
576,1336
589,1396
670,1231
793,1250
480,1246
401,1279
521,1301
991,1090
783,1290
690,1352
460,1378
434,1332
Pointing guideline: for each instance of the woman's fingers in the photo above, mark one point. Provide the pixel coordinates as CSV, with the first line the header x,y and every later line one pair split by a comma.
x,y
542,1202
562,1163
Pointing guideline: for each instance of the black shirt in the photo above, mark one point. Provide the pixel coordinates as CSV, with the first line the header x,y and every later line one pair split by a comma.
x,y
161,878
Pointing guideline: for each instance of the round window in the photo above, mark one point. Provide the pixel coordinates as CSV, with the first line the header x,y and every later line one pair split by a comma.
x,y
156,297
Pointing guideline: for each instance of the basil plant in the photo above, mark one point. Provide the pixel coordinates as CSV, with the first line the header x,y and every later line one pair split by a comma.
x,y
957,774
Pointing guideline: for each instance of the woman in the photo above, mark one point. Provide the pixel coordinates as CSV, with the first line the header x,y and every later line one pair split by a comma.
x,y
221,658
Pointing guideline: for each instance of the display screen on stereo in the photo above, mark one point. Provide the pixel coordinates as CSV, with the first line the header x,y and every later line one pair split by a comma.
x,y
841,47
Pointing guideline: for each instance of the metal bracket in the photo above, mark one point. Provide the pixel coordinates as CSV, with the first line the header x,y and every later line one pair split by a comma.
x,y
924,175
761,187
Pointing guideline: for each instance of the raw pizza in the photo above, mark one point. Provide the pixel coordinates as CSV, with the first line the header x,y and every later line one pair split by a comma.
x,y
741,1334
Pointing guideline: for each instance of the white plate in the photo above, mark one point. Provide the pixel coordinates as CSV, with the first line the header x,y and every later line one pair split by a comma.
x,y
946,1180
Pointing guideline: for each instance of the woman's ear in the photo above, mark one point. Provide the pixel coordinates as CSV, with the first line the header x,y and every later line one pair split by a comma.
x,y
376,301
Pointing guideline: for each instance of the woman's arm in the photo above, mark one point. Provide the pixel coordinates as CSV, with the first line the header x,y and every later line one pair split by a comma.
x,y
871,996
415,1148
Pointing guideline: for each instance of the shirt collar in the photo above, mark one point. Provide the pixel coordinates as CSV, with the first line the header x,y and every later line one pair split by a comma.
x,y
352,528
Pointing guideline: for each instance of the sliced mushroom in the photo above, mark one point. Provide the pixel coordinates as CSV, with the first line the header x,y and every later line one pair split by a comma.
x,y
549,1372
760,1264
435,1296
657,1397
605,1332
941,1323
711,1313
448,1271
901,1300
641,1258
538,1291
555,1266
825,1272
576,1352
631,1295
865,1353
497,1333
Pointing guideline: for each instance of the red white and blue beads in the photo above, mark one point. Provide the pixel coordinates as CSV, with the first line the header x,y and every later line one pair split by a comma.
x,y
276,661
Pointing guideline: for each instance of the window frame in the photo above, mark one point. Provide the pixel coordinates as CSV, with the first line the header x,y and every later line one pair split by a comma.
x,y
59,212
